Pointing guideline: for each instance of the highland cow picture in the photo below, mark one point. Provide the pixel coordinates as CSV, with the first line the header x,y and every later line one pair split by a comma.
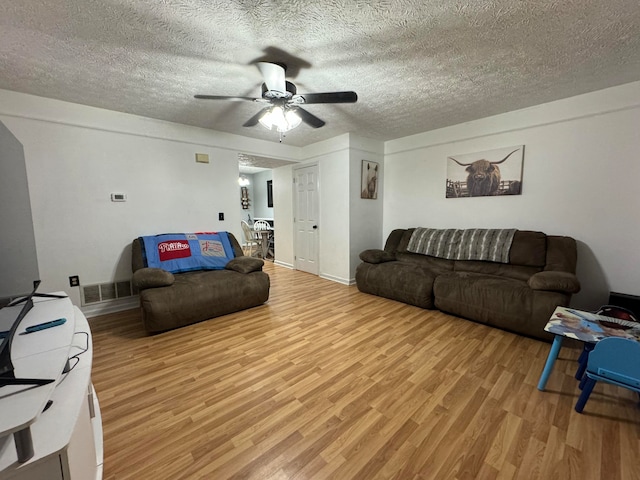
x,y
369,187
484,174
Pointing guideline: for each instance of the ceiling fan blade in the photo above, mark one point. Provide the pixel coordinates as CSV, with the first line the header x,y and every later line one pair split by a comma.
x,y
223,97
309,118
329,97
273,75
254,120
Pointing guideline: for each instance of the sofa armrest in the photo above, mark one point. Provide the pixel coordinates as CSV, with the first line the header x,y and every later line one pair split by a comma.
x,y
555,281
377,256
245,264
152,278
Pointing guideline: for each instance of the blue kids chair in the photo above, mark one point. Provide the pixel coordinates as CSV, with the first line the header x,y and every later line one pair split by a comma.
x,y
613,360
614,311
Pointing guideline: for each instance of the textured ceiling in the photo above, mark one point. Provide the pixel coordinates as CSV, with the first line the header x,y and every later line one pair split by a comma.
x,y
254,163
415,64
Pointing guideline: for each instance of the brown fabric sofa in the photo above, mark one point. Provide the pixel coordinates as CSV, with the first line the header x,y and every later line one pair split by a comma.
x,y
518,296
174,300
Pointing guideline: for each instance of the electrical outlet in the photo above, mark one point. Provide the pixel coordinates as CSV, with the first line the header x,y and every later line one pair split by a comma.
x,y
74,281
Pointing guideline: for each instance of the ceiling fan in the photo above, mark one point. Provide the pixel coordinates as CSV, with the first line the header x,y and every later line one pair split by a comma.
x,y
284,106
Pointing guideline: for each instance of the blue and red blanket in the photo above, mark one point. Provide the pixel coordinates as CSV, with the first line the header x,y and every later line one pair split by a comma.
x,y
185,252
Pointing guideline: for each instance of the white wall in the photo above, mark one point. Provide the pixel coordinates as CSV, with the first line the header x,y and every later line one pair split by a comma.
x,y
580,179
365,215
334,171
76,156
332,157
348,224
283,215
260,206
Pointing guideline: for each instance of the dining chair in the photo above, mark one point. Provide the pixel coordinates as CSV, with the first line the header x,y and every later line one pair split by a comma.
x,y
613,311
613,360
250,240
261,225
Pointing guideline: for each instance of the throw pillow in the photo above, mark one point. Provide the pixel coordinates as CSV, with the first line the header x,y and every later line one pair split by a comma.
x,y
245,264
376,256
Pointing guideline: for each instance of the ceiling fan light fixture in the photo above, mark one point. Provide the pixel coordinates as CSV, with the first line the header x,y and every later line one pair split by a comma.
x,y
283,120
284,106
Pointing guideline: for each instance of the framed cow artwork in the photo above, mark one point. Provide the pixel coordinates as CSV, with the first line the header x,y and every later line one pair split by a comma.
x,y
484,174
369,180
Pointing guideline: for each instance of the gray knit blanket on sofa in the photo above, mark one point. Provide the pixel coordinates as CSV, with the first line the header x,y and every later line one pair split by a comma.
x,y
490,245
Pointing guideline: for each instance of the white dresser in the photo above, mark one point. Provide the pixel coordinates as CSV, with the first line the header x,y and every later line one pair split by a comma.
x,y
61,421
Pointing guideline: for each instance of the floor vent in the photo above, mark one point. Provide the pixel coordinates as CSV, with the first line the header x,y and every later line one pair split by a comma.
x,y
103,292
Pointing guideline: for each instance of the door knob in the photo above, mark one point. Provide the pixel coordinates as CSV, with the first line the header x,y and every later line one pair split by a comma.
x,y
315,226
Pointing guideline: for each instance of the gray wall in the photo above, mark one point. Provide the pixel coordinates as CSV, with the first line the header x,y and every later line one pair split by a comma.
x,y
18,259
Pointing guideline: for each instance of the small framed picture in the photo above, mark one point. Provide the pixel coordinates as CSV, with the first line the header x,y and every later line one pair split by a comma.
x,y
370,171
269,193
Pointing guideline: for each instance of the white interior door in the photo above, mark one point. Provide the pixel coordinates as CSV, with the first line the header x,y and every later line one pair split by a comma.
x,y
305,222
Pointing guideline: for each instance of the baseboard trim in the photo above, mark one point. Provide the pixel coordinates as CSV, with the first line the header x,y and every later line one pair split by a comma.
x,y
282,264
343,281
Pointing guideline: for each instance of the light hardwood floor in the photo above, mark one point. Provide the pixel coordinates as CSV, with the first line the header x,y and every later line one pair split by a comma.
x,y
326,382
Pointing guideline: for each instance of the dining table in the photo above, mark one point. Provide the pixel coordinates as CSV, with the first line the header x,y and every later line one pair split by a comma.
x,y
264,234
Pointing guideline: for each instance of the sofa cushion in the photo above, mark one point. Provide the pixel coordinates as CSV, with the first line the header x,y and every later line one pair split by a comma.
x,y
434,264
490,299
376,256
197,296
399,281
562,253
152,278
394,239
516,272
245,264
405,239
528,249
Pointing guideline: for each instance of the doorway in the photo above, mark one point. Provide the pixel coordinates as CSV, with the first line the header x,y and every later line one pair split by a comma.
x,y
257,176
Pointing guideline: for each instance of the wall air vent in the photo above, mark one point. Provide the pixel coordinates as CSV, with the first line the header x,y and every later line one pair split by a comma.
x,y
103,292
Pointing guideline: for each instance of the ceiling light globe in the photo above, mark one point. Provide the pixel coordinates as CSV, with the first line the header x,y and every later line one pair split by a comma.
x,y
278,119
293,119
266,120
